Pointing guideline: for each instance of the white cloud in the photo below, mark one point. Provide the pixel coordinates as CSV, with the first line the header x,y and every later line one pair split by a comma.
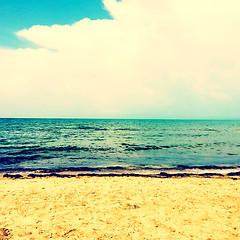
x,y
154,59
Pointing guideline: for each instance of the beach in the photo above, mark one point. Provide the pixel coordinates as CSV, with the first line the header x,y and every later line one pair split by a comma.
x,y
120,208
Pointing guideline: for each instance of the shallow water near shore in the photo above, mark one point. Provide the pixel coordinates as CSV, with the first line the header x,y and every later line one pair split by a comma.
x,y
96,144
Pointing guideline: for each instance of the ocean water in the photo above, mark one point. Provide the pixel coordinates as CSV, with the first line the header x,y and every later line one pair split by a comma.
x,y
98,143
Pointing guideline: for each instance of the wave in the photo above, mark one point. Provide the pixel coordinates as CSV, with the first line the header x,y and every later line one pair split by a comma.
x,y
86,127
6,160
210,130
134,147
131,168
137,171
83,127
127,129
32,150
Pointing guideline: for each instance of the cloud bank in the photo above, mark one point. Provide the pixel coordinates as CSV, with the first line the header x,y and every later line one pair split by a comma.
x,y
154,59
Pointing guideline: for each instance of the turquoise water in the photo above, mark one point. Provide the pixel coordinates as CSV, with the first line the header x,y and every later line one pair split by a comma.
x,y
71,143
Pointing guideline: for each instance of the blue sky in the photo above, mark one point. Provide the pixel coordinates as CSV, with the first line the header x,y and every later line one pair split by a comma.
x,y
120,59
16,15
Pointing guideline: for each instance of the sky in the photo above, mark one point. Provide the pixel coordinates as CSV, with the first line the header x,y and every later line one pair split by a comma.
x,y
120,59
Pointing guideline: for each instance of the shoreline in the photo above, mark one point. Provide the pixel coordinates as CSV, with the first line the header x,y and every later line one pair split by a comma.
x,y
234,176
119,171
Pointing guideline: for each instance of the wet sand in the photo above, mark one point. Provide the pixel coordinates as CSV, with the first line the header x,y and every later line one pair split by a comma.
x,y
120,208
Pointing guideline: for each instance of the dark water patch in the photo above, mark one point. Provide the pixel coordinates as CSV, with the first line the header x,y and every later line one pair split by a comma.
x,y
134,147
234,174
70,169
91,157
47,150
102,149
59,149
207,167
116,168
129,145
16,169
92,128
168,146
97,139
186,135
14,176
5,148
210,130
13,149
209,175
219,143
170,175
142,148
126,129
18,159
34,175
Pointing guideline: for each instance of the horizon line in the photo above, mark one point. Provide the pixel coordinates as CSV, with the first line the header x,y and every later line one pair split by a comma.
x,y
105,118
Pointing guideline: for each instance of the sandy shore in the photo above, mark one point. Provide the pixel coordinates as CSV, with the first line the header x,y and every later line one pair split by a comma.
x,y
120,208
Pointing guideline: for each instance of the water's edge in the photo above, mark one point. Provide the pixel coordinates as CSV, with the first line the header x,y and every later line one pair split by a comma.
x,y
128,171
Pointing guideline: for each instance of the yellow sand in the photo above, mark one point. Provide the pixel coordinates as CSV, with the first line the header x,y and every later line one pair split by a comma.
x,y
120,208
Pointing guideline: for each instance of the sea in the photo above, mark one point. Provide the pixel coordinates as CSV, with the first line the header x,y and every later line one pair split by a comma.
x,y
118,144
